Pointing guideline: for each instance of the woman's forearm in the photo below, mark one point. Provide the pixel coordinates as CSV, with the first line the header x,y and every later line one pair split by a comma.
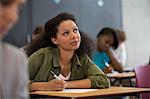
x,y
115,64
85,83
38,86
51,85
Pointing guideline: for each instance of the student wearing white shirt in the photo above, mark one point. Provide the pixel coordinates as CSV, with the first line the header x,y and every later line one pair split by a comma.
x,y
13,69
120,53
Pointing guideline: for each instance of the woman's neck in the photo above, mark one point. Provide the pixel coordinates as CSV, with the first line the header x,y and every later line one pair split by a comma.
x,y
66,56
65,61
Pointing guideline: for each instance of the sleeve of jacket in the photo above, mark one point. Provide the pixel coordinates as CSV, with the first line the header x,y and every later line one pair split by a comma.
x,y
96,75
34,63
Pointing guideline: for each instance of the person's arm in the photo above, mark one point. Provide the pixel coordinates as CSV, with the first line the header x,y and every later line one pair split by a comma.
x,y
95,74
114,63
38,73
121,54
46,86
84,83
34,63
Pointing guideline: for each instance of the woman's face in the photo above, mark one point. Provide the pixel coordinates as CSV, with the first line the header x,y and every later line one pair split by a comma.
x,y
9,14
68,37
104,42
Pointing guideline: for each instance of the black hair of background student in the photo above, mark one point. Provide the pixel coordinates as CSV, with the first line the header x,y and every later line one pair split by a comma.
x,y
37,32
44,40
110,31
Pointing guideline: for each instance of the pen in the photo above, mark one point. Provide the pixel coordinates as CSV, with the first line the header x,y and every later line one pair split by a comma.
x,y
107,65
55,75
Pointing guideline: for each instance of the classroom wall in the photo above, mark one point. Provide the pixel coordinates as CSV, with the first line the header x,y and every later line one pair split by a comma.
x,y
90,17
131,15
136,23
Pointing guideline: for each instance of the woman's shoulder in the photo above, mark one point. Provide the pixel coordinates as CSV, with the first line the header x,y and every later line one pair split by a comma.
x,y
84,58
97,54
45,50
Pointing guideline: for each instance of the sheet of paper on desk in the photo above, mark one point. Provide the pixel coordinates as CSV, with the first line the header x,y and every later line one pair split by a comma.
x,y
78,90
68,91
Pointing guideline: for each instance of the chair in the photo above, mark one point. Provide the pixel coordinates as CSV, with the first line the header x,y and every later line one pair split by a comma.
x,y
143,79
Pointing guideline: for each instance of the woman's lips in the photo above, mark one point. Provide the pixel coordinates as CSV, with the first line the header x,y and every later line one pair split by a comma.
x,y
74,43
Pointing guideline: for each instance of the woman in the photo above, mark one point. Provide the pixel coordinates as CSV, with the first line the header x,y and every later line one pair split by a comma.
x,y
103,57
64,56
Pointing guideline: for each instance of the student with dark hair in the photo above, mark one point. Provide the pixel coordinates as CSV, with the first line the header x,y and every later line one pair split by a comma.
x,y
103,57
37,32
13,63
64,56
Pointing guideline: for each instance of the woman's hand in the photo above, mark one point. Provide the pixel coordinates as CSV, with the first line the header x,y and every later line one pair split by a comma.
x,y
108,69
114,62
56,84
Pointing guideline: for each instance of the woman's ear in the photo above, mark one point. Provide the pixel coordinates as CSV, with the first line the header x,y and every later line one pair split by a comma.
x,y
54,40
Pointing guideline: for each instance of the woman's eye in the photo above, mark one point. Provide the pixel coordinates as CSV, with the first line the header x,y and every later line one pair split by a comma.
x,y
75,30
65,33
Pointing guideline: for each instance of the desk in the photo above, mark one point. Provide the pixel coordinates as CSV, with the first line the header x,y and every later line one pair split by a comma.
x,y
112,91
128,69
120,76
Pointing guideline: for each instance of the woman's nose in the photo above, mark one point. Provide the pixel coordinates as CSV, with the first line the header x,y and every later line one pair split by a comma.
x,y
74,35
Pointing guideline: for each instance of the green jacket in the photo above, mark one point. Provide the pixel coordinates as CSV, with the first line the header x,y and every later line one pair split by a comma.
x,y
47,59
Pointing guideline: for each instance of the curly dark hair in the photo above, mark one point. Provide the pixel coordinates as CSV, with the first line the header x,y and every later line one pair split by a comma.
x,y
50,28
112,32
87,45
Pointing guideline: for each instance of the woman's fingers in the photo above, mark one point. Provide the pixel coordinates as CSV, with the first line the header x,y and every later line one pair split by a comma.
x,y
58,84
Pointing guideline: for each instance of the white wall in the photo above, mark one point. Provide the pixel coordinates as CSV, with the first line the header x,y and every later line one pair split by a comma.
x,y
136,23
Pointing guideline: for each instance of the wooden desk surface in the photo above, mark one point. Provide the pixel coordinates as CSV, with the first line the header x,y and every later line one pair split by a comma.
x,y
121,75
112,91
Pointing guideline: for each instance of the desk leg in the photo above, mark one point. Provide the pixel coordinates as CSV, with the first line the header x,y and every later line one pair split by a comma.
x,y
116,82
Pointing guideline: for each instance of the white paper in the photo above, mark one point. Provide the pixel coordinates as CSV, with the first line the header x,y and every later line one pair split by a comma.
x,y
77,90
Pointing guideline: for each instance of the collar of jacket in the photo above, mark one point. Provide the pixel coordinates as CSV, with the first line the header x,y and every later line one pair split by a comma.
x,y
56,54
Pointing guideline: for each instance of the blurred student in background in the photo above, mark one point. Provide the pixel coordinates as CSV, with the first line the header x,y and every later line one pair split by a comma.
x,y
39,30
120,53
59,50
103,57
13,67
